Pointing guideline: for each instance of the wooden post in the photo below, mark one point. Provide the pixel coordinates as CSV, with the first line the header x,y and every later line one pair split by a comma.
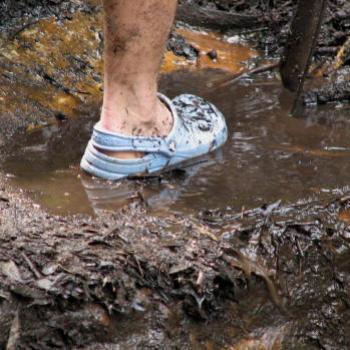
x,y
301,44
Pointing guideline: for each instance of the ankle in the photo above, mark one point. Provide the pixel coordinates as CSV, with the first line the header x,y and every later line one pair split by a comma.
x,y
149,120
127,119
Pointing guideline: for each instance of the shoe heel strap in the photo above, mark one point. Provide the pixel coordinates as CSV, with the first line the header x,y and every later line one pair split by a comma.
x,y
110,141
114,142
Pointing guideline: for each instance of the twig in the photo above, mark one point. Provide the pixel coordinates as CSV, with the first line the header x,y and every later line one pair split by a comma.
x,y
18,31
13,339
256,70
31,266
341,55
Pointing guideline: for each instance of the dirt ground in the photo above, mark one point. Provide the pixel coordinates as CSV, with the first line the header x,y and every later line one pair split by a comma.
x,y
132,280
280,280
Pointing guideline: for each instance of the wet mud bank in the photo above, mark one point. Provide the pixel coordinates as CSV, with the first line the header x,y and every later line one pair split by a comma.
x,y
278,279
274,277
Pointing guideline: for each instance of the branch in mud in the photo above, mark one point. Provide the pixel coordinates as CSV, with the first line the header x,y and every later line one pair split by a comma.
x,y
237,77
54,82
330,93
216,19
342,55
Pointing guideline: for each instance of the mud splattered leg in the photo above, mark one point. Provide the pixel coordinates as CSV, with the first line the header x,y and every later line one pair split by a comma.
x,y
135,32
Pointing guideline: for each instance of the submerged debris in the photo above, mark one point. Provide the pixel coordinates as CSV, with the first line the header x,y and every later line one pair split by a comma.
x,y
334,92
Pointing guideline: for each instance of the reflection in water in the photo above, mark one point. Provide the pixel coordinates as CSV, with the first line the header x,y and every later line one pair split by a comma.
x,y
269,155
155,192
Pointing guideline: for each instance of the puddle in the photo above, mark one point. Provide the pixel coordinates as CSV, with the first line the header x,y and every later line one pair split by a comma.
x,y
269,155
214,51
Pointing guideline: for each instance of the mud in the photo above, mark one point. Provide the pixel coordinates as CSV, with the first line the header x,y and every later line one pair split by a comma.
x,y
19,14
235,274
279,269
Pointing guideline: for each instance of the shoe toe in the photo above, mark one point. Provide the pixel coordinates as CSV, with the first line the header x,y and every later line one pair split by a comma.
x,y
204,124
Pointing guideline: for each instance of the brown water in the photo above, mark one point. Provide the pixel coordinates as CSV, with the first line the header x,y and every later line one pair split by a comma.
x,y
269,155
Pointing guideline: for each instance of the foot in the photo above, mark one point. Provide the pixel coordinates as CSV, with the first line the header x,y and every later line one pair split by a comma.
x,y
198,128
157,122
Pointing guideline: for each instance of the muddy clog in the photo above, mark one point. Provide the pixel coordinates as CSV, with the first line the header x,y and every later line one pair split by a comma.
x,y
198,129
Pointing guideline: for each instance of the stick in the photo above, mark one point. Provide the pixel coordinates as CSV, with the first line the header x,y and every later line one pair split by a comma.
x,y
216,19
301,45
31,266
256,70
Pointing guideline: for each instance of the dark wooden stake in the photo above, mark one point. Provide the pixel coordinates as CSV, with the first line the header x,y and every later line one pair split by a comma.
x,y
301,44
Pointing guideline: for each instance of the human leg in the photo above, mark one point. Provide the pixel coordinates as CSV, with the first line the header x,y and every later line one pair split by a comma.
x,y
135,36
140,133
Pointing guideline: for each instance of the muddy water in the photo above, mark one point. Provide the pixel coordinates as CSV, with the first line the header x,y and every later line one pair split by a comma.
x,y
269,155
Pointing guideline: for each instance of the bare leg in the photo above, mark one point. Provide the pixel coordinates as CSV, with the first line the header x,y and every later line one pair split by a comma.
x,y
136,32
